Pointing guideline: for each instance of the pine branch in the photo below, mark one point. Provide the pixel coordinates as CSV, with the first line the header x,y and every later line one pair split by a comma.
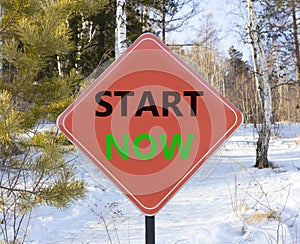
x,y
13,189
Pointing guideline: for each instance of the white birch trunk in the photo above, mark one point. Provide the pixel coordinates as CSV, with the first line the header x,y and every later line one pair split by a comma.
x,y
263,86
59,66
120,33
144,18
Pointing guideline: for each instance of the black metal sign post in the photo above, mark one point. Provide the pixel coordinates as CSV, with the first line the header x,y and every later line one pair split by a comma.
x,y
150,229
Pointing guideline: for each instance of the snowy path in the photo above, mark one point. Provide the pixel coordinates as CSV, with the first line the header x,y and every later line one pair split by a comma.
x,y
202,211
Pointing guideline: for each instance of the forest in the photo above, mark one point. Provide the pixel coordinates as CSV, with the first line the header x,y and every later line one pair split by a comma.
x,y
51,50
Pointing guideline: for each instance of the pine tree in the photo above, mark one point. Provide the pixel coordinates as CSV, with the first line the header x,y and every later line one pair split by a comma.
x,y
32,166
240,86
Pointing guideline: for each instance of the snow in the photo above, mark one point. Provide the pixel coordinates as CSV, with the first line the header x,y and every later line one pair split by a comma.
x,y
226,201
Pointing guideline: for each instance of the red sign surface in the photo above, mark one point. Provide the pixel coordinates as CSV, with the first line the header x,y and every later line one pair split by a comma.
x,y
149,122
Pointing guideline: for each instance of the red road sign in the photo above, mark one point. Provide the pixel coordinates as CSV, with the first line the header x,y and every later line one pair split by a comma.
x,y
149,122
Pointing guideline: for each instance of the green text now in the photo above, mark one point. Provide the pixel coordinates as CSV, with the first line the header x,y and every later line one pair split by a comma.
x,y
169,151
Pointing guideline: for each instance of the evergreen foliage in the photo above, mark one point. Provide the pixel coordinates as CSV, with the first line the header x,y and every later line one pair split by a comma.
x,y
33,170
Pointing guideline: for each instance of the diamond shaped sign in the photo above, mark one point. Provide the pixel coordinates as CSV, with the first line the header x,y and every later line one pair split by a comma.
x,y
149,122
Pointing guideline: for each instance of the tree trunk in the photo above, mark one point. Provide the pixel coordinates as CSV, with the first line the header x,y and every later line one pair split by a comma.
x,y
59,66
163,21
262,147
296,39
79,43
120,35
144,18
263,87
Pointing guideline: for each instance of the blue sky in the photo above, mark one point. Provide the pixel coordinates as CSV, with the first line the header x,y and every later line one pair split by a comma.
x,y
226,14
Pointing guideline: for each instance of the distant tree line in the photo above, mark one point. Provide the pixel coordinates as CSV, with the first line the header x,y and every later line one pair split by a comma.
x,y
234,76
266,88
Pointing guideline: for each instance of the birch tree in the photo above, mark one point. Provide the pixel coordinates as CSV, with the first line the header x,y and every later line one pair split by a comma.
x,y
120,35
261,75
89,28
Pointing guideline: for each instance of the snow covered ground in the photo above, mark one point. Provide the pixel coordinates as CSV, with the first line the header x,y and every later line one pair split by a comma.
x,y
227,201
